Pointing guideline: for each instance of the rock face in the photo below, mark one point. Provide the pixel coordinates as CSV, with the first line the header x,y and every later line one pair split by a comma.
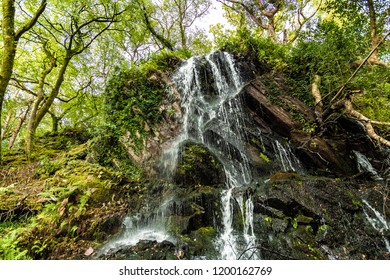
x,y
197,166
318,219
311,199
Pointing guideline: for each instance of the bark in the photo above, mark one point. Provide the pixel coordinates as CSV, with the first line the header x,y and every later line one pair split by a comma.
x,y
315,92
17,128
373,29
366,122
10,41
8,55
6,126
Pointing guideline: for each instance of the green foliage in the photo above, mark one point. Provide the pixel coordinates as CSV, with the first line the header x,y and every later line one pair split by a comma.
x,y
106,150
327,51
133,97
9,249
245,41
47,167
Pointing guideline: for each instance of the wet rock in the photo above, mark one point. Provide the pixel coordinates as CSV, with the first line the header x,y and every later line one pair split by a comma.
x,y
144,250
198,166
297,219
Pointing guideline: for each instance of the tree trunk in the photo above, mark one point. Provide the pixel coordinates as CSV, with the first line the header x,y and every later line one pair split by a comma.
x,y
367,123
271,28
10,41
18,127
315,91
55,122
6,126
373,29
8,55
39,112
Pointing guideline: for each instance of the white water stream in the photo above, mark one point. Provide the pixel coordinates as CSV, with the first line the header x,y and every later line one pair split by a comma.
x,y
213,116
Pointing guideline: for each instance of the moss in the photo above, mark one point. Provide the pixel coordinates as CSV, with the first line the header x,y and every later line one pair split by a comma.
x,y
264,158
197,166
285,176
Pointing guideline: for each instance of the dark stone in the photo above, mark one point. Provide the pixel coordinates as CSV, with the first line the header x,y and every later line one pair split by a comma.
x,y
144,250
318,219
198,166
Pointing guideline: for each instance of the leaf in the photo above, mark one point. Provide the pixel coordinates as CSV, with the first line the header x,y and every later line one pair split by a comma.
x,y
61,209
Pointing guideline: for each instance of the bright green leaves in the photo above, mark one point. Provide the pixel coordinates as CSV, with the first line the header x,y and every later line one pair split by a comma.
x,y
132,100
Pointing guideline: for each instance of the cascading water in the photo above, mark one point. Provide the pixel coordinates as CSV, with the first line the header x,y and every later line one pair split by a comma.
x,y
137,227
373,216
213,116
377,221
287,159
365,167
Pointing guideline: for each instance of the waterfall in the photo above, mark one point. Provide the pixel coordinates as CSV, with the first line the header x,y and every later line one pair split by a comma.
x,y
365,167
377,221
213,116
139,227
285,157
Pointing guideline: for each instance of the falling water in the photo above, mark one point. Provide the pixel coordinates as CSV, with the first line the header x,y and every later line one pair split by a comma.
x,y
377,221
213,116
285,156
364,166
139,227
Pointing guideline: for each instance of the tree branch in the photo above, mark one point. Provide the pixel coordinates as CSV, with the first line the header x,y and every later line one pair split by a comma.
x,y
366,122
32,21
340,91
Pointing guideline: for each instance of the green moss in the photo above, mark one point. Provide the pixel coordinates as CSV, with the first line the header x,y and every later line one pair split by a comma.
x,y
268,219
357,202
207,232
9,249
198,166
264,158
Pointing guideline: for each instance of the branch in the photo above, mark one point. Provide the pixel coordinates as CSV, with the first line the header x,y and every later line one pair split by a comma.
x,y
32,21
149,26
340,91
77,92
305,20
366,122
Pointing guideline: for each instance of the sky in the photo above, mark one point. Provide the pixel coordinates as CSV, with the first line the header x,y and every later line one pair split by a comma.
x,y
214,16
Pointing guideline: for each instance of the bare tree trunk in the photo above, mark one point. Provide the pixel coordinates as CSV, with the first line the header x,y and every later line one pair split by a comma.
x,y
6,125
315,92
373,29
17,128
366,122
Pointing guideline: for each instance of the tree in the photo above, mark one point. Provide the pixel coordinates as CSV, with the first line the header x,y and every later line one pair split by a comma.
x,y
170,22
375,13
64,34
275,16
11,38
326,60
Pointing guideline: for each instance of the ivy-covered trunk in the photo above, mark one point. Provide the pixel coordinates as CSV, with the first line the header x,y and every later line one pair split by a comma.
x,y
8,54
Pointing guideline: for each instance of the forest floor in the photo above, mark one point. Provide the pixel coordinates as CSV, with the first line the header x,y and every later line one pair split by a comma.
x,y
59,205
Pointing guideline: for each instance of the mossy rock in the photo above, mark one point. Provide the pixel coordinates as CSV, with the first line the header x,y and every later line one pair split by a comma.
x,y
198,166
